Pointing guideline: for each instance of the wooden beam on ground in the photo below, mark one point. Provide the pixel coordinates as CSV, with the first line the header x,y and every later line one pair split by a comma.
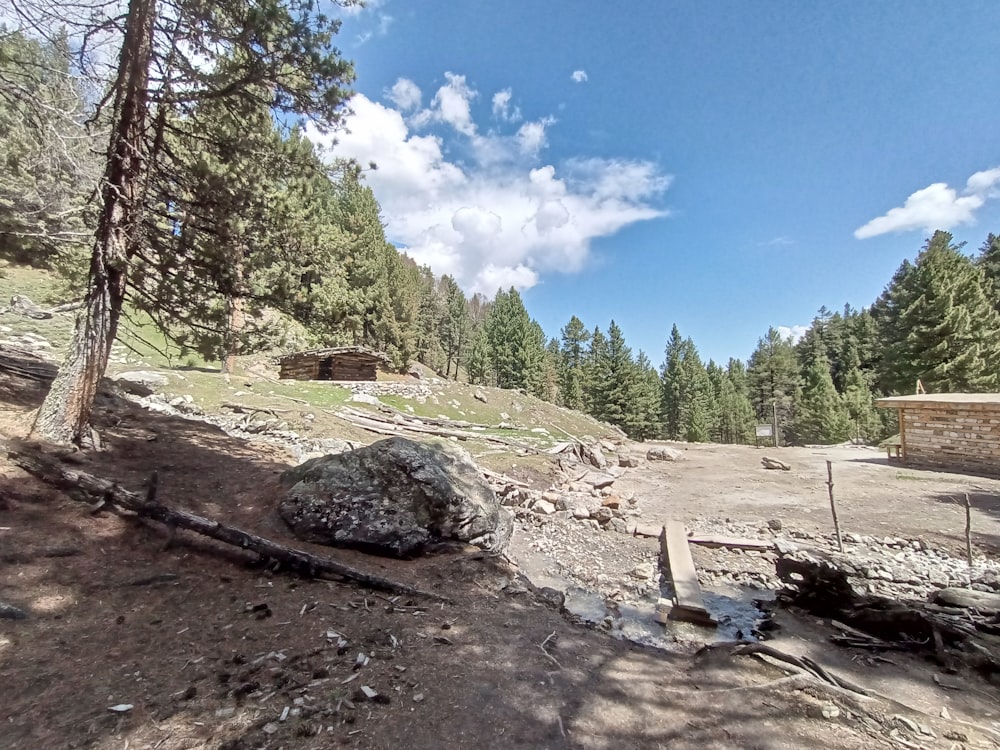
x,y
729,542
689,604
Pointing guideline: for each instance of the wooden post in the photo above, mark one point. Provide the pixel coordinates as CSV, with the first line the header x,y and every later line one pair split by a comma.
x,y
774,422
968,529
833,505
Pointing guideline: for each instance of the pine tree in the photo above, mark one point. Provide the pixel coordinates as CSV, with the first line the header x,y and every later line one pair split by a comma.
x,y
820,416
515,350
697,409
594,374
47,154
235,53
643,419
774,381
865,423
455,325
735,408
614,388
670,377
937,324
989,261
575,338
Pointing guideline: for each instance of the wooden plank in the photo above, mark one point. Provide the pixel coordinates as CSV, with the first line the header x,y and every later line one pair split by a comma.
x,y
689,604
730,542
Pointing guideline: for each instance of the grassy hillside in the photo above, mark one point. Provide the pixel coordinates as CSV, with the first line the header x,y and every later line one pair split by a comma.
x,y
311,409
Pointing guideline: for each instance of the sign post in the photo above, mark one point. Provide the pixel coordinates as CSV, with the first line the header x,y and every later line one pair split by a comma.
x,y
763,431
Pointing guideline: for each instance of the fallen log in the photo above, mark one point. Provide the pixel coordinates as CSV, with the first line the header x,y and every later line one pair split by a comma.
x,y
981,601
773,463
110,494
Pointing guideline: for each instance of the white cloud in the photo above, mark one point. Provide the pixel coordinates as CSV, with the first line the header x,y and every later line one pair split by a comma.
x,y
499,216
451,104
405,94
936,206
579,76
501,107
531,135
794,332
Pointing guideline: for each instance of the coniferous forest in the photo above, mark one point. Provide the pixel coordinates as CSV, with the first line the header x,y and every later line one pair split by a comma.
x,y
252,242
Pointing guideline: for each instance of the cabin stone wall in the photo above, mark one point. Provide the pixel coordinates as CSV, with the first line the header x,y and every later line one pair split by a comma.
x,y
962,437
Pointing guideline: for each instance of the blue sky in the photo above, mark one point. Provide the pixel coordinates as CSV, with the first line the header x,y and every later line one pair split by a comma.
x,y
726,166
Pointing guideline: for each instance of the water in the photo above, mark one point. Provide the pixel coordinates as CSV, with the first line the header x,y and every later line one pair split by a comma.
x,y
633,619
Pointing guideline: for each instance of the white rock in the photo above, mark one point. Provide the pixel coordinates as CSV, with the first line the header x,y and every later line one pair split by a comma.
x,y
543,507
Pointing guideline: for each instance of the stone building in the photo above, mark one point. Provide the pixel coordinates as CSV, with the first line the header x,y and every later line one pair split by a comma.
x,y
949,431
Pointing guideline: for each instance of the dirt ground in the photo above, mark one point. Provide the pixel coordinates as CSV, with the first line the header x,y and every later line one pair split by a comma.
x,y
873,496
211,650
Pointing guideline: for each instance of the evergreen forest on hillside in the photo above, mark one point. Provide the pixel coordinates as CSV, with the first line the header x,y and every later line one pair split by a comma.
x,y
252,242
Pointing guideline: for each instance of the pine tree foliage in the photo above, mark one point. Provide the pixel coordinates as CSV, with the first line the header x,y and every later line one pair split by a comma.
x,y
773,378
937,324
575,339
643,418
821,415
48,169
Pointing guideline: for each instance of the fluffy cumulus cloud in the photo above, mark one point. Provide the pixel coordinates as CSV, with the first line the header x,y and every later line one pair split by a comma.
x,y
579,76
795,333
486,207
937,206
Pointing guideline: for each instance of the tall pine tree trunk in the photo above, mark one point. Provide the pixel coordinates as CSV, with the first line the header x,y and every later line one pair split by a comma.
x,y
64,417
235,320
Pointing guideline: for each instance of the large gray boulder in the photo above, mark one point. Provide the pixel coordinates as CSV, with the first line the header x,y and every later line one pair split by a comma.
x,y
394,497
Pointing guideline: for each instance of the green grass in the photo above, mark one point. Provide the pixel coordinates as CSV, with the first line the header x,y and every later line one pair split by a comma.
x,y
145,347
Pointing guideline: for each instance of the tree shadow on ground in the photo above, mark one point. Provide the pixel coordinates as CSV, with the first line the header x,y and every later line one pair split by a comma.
x,y
985,517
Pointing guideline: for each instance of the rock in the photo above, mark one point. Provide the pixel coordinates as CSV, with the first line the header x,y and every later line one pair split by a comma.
x,y
628,462
598,480
611,501
543,507
10,612
580,513
140,382
602,515
394,497
364,398
643,571
596,457
479,396
663,454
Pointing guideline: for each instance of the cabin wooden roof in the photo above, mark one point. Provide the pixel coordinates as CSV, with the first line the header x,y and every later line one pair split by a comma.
x,y
353,352
937,399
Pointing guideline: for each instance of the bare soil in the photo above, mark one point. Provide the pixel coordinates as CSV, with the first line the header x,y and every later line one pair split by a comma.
x,y
212,650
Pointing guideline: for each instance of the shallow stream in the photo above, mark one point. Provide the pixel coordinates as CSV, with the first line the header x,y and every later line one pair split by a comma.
x,y
633,617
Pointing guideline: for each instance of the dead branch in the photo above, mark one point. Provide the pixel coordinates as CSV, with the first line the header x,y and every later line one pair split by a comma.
x,y
299,561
